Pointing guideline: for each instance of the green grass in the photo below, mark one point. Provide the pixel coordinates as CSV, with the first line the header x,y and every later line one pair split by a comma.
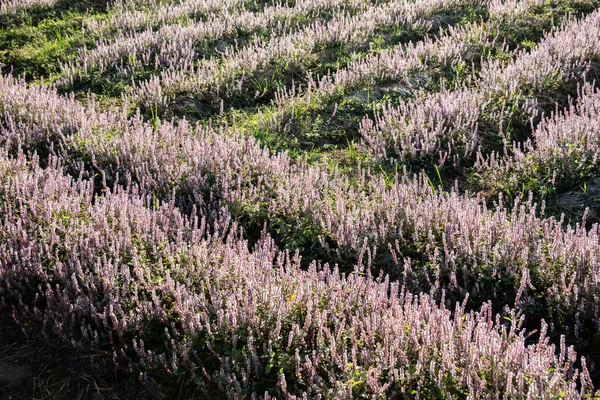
x,y
36,50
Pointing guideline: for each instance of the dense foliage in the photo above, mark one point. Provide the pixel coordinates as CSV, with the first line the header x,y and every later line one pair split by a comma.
x,y
310,198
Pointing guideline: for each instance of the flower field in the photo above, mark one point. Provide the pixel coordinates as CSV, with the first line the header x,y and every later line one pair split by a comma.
x,y
307,199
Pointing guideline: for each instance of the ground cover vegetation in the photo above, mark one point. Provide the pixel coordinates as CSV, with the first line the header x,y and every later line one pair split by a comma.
x,y
302,199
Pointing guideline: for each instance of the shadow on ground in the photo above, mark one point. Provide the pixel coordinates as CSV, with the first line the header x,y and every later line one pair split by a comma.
x,y
35,369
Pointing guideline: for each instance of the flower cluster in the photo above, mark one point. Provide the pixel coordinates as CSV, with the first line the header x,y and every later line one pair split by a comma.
x,y
446,123
169,291
182,71
194,249
11,7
